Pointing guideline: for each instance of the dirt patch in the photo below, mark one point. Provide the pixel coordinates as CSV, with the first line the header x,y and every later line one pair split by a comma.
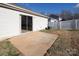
x,y
67,43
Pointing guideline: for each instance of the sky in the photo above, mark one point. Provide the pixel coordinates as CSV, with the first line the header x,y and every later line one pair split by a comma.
x,y
49,8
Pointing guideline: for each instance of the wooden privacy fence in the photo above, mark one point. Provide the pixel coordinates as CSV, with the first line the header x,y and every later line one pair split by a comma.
x,y
69,24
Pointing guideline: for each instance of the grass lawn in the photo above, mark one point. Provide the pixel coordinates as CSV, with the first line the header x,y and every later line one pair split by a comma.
x,y
67,43
7,49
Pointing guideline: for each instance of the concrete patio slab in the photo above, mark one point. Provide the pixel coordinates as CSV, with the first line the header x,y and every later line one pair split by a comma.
x,y
33,43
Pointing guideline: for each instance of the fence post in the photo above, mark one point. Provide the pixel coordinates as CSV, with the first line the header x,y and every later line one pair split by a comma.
x,y
60,24
76,24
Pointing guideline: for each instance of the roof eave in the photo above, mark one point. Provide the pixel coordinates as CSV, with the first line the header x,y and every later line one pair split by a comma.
x,y
17,8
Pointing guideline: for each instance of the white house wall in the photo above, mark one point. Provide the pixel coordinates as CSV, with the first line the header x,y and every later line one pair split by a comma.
x,y
10,22
39,23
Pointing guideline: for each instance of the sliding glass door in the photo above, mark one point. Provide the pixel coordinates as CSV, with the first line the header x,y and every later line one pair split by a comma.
x,y
26,22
